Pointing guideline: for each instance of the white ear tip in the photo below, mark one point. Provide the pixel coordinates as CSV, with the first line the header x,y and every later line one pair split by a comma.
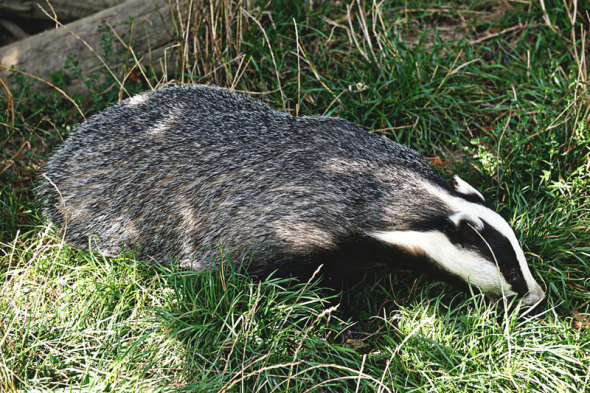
x,y
475,221
462,187
456,218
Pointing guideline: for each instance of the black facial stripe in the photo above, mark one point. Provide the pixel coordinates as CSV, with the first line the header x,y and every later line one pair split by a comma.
x,y
503,251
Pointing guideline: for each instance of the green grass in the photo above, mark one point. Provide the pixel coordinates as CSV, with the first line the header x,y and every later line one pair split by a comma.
x,y
485,89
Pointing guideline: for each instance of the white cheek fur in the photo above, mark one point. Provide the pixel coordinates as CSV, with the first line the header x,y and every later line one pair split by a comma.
x,y
468,265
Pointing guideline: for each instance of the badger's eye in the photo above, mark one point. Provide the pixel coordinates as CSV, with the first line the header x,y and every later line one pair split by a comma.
x,y
512,275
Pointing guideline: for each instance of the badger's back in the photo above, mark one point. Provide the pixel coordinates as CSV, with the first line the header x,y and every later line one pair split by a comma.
x,y
181,168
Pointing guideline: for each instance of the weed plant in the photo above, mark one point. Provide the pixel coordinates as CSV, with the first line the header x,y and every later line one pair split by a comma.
x,y
494,91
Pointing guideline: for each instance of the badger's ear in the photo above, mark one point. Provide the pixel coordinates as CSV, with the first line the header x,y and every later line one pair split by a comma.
x,y
460,218
462,187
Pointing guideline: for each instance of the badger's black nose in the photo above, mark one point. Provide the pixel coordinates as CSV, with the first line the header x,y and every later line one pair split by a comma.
x,y
534,296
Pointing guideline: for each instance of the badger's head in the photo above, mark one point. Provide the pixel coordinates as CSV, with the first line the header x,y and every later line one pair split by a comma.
x,y
472,243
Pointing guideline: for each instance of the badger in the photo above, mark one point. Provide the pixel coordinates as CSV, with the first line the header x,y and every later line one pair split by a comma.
x,y
170,172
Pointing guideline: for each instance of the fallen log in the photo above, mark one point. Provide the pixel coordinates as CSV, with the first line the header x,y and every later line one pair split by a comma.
x,y
66,10
44,53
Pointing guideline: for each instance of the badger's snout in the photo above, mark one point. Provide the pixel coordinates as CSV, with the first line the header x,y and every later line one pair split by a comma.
x,y
530,299
534,296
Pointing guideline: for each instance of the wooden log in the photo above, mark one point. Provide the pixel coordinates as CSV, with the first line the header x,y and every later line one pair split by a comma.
x,y
46,52
13,29
66,10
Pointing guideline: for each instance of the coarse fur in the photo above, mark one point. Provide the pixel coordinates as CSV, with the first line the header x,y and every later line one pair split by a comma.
x,y
172,171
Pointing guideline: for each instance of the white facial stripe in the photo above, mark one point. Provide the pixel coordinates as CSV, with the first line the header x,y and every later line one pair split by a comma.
x,y
463,187
496,221
468,265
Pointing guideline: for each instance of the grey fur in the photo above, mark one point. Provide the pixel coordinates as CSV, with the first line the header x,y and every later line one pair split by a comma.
x,y
184,167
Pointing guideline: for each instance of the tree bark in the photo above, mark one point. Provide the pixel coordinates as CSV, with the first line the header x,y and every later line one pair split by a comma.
x,y
46,52
66,10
